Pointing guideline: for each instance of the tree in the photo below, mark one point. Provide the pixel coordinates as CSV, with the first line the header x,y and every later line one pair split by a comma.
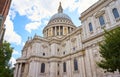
x,y
5,55
110,51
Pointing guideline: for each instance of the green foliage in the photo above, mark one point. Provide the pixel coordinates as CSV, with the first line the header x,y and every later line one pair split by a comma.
x,y
5,55
110,51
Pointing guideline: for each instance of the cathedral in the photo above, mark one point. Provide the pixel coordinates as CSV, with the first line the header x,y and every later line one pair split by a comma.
x,y
69,51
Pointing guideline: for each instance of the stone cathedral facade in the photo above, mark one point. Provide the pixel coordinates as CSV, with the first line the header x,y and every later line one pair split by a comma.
x,y
69,51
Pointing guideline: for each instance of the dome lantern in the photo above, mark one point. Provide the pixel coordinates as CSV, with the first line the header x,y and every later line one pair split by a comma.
x,y
60,9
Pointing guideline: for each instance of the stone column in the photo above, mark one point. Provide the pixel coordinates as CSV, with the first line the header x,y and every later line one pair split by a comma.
x,y
53,70
59,30
83,66
62,30
93,64
19,71
87,63
37,69
69,68
70,30
55,31
51,31
47,32
16,70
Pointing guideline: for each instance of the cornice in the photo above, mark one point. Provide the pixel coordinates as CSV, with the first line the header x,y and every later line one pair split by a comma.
x,y
92,37
57,41
37,39
59,24
99,13
56,23
21,60
52,58
78,30
94,8
98,35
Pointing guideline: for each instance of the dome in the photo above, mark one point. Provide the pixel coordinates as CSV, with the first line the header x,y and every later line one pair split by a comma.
x,y
59,25
60,15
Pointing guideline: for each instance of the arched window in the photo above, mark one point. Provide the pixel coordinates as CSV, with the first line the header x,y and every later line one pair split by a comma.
x,y
42,67
75,65
90,27
64,67
115,13
101,20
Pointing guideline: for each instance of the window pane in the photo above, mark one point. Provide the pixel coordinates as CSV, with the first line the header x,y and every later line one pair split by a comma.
x,y
90,27
42,68
101,20
64,67
75,65
115,13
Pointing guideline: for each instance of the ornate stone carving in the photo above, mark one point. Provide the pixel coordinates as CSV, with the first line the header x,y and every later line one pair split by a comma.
x,y
99,13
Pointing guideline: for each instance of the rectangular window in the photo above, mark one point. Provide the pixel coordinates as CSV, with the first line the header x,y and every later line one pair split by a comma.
x,y
101,20
42,67
90,27
75,65
115,13
64,67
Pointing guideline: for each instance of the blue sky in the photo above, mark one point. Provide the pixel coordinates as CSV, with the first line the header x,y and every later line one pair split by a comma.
x,y
28,17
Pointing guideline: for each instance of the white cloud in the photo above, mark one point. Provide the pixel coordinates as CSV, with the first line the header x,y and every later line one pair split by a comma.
x,y
32,26
12,61
23,44
15,52
10,35
85,4
45,22
36,10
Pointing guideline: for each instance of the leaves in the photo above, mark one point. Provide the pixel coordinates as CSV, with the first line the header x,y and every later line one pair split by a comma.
x,y
5,55
110,51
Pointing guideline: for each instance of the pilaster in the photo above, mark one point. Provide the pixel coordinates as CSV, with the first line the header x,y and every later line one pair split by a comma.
x,y
19,71
16,70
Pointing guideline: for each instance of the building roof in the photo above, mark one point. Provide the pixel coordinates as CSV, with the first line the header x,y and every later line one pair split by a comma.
x,y
60,14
